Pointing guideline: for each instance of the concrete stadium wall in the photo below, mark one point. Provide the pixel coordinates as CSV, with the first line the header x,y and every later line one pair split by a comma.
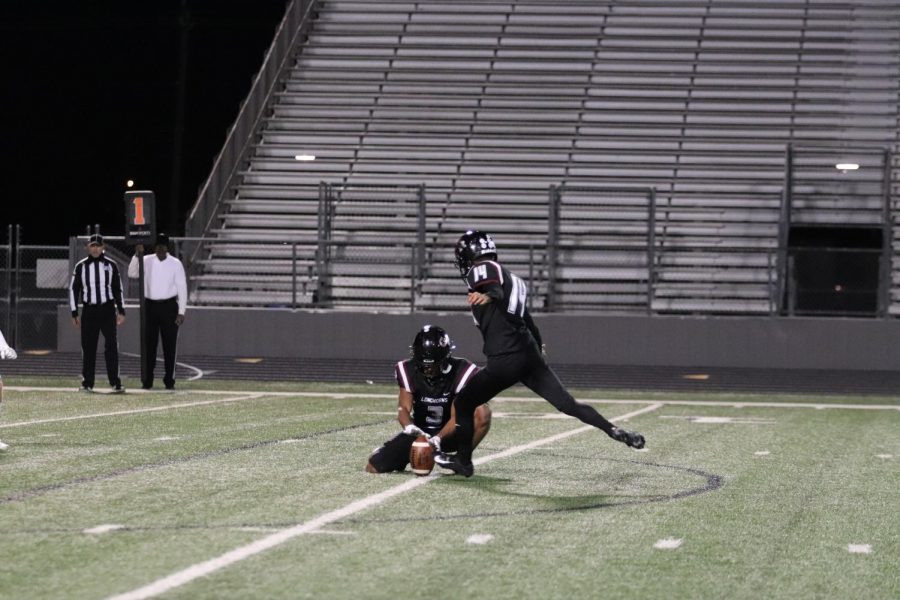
x,y
808,343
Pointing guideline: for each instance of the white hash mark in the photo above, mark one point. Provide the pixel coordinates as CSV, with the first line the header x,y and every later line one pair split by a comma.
x,y
668,544
885,456
479,538
762,453
103,528
859,549
710,420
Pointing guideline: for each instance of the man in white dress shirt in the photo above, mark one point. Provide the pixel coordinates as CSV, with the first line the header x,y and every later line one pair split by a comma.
x,y
165,289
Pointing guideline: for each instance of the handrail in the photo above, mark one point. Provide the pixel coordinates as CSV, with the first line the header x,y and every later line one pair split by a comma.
x,y
240,135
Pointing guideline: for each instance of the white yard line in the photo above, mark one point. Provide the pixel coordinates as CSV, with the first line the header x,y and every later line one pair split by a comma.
x,y
355,395
240,553
343,395
134,411
742,404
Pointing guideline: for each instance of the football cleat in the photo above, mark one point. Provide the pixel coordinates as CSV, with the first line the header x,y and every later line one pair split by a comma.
x,y
118,389
3,447
453,463
629,438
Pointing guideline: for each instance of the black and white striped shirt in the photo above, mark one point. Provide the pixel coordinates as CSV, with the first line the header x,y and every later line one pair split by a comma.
x,y
95,282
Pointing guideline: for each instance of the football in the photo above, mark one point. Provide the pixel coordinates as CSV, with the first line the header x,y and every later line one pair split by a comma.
x,y
421,457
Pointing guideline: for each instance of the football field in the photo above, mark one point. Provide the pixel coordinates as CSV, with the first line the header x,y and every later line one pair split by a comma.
x,y
257,490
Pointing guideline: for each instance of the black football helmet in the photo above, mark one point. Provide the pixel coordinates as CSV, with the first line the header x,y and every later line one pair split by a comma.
x,y
473,244
431,352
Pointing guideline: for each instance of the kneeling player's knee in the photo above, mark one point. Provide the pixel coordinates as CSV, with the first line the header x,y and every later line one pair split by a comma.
x,y
370,468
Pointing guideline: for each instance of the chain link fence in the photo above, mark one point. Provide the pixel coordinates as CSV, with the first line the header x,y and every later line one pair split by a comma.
x,y
42,280
34,283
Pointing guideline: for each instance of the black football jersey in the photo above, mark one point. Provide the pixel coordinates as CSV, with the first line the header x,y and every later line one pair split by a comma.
x,y
502,322
432,400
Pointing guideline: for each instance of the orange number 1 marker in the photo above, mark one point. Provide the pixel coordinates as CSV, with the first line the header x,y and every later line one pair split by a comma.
x,y
139,211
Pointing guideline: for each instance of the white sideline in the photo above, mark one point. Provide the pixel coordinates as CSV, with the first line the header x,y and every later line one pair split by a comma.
x,y
353,395
202,569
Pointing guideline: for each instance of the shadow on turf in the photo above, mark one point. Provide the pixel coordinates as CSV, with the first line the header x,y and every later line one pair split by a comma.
x,y
496,485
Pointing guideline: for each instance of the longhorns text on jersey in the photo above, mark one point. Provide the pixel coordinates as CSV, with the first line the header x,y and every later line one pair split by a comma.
x,y
432,397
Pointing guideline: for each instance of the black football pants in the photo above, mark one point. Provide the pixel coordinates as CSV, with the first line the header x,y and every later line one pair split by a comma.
x,y
501,372
94,320
161,324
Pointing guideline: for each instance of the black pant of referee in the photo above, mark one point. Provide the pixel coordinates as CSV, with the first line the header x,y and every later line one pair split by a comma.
x,y
161,315
97,319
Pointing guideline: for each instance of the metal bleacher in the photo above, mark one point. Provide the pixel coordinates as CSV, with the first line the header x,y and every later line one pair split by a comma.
x,y
489,104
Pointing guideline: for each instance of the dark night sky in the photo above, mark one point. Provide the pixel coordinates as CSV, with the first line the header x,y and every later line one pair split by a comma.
x,y
89,101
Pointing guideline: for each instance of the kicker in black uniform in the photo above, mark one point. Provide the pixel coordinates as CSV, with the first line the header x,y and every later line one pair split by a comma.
x,y
514,350
429,382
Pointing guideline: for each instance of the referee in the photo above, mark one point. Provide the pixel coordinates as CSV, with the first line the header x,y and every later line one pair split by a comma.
x,y
97,286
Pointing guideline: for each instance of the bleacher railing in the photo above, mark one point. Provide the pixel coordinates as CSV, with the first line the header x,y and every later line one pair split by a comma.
x,y
349,213
605,251
584,220
838,185
377,273
383,275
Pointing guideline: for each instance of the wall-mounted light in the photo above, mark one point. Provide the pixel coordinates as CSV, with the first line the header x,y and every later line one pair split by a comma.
x,y
129,183
305,157
846,166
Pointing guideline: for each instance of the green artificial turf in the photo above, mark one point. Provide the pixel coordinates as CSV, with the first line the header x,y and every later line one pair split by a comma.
x,y
765,500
